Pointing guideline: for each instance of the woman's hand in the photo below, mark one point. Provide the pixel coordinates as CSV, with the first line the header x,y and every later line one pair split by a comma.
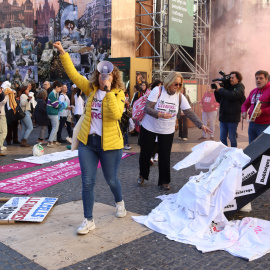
x,y
29,86
105,85
59,47
164,115
206,129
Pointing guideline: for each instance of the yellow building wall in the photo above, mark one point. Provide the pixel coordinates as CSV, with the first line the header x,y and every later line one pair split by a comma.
x,y
139,64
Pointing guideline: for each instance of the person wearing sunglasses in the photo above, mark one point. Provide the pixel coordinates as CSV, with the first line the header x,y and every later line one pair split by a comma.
x,y
161,110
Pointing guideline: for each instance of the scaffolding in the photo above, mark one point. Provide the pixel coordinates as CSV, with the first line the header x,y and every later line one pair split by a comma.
x,y
165,55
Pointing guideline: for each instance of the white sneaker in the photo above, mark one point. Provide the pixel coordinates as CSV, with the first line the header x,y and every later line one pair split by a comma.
x,y
127,147
120,209
50,145
184,139
3,148
156,157
69,139
57,143
86,226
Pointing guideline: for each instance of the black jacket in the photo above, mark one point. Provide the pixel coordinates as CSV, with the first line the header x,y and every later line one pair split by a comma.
x,y
230,101
40,113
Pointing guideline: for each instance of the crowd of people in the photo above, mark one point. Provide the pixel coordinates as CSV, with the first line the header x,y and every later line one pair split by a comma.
x,y
49,108
100,137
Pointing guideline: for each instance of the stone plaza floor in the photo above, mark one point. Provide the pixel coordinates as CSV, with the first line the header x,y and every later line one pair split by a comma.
x,y
116,243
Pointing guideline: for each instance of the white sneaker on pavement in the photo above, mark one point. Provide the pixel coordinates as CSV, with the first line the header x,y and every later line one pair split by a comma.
x,y
120,209
3,148
86,226
57,143
50,144
69,139
127,147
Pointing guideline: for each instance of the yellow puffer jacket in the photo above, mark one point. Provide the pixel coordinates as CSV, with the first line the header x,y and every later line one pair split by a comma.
x,y
112,109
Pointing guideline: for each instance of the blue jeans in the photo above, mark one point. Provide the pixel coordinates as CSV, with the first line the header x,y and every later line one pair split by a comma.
x,y
255,130
231,128
89,155
55,124
27,125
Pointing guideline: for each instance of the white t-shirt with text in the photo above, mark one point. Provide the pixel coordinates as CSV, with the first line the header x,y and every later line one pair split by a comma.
x,y
96,113
165,103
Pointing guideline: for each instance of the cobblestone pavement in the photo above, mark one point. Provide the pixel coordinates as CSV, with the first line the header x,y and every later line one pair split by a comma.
x,y
153,251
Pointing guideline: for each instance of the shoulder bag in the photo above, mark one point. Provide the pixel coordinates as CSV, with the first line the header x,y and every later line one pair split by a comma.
x,y
20,114
139,105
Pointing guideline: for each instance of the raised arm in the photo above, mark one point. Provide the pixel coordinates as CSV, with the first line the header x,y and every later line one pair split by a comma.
x,y
71,71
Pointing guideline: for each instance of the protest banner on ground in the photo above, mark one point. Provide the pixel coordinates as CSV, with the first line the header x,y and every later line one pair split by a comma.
x,y
34,181
33,209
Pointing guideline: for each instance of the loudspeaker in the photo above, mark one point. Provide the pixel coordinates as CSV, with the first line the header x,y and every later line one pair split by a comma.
x,y
105,68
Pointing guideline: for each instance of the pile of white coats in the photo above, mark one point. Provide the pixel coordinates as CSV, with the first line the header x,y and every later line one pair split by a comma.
x,y
195,216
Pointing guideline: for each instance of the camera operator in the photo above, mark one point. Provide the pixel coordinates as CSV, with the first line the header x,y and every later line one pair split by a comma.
x,y
230,100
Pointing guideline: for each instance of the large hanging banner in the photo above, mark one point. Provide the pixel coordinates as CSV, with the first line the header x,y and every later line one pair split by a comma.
x,y
180,15
33,209
28,29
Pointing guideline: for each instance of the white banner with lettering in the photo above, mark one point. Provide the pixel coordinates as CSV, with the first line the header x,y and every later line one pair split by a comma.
x,y
33,209
50,157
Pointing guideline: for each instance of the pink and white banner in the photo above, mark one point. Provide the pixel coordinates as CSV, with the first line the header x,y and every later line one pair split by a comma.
x,y
31,182
16,166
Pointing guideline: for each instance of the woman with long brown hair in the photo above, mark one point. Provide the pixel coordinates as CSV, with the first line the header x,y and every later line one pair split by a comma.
x,y
100,135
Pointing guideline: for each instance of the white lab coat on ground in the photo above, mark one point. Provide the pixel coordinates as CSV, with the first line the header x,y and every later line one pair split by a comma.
x,y
187,215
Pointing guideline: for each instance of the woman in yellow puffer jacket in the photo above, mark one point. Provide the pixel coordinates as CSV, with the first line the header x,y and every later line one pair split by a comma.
x,y
100,135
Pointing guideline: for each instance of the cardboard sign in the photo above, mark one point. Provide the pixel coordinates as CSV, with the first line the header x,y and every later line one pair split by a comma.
x,y
33,209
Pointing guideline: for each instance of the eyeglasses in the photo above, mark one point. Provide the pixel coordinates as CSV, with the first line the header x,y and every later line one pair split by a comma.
x,y
178,84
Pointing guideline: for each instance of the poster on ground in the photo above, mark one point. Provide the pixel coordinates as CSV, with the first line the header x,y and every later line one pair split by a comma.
x,y
33,209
